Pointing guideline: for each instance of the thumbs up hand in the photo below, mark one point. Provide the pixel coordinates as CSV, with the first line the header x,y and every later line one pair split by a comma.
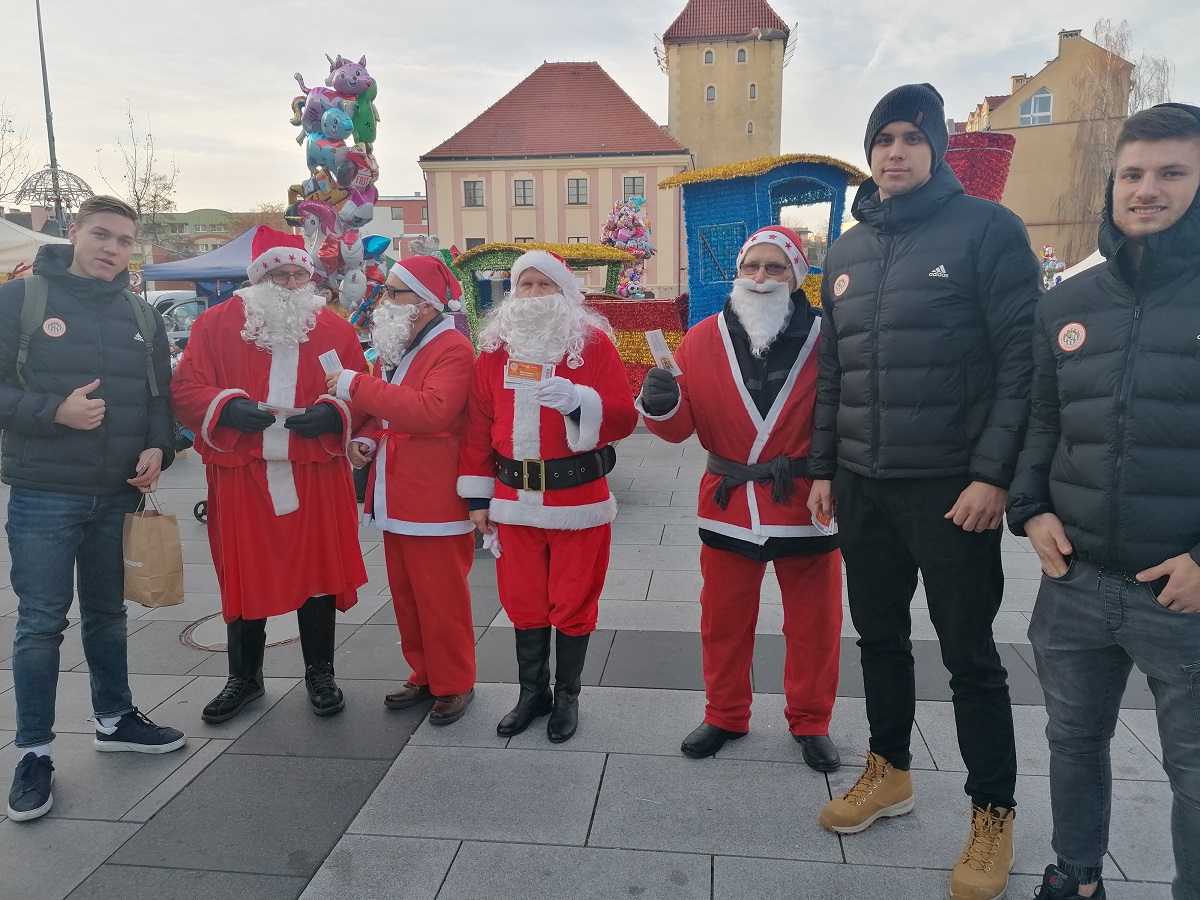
x,y
80,412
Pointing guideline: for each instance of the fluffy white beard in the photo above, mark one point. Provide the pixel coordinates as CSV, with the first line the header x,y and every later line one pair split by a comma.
x,y
277,317
541,329
763,309
391,328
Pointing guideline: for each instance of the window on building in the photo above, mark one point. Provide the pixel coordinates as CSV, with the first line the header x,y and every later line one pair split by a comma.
x,y
741,57
199,229
577,240
577,193
220,229
397,213
472,193
472,243
523,240
635,186
708,57
753,91
424,215
178,229
749,128
395,242
710,93
1036,110
523,192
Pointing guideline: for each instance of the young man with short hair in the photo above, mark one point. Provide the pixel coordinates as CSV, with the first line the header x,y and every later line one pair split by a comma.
x,y
1108,491
85,435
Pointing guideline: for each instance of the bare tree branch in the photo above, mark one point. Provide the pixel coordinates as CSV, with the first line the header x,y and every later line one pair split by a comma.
x,y
14,153
148,183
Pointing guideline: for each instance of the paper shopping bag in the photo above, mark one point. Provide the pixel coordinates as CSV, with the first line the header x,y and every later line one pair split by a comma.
x,y
153,556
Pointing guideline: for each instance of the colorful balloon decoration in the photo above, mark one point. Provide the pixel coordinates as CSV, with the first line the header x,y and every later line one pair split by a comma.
x,y
628,230
337,200
1052,267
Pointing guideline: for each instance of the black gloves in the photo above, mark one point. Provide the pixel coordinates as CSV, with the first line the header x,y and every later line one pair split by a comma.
x,y
315,421
244,415
660,392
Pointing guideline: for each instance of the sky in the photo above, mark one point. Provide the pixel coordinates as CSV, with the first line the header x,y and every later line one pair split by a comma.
x,y
214,78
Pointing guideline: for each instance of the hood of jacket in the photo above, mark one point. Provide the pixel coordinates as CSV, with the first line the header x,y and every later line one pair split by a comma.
x,y
905,210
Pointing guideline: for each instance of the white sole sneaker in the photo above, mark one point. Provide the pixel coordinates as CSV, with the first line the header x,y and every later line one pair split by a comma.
x,y
125,747
903,808
32,813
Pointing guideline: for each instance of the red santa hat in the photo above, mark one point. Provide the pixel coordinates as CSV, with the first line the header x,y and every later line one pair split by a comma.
x,y
786,240
553,267
431,280
271,249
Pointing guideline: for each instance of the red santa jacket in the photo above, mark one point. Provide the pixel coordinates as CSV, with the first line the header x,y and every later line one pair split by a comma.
x,y
219,364
416,422
511,423
715,405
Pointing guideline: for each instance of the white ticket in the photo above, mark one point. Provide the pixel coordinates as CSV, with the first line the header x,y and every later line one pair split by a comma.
x,y
330,362
519,374
663,357
279,412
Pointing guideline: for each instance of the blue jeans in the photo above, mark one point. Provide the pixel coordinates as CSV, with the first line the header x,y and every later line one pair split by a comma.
x,y
1089,629
54,537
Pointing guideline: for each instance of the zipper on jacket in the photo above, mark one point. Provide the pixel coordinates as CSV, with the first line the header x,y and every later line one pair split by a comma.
x,y
102,456
1122,413
875,425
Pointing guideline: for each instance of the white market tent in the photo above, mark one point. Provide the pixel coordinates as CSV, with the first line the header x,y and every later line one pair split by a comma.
x,y
1094,260
18,246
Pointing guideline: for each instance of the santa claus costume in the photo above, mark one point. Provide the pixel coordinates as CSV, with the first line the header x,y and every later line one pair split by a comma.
x,y
416,404
282,520
535,457
747,390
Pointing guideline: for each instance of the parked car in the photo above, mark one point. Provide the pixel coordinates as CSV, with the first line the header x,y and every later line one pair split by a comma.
x,y
179,317
164,300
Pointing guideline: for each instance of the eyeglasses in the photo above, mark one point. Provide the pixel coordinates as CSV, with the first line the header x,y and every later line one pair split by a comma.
x,y
281,279
773,269
391,293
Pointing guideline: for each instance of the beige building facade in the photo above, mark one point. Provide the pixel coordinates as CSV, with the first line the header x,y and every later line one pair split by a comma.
x,y
1083,87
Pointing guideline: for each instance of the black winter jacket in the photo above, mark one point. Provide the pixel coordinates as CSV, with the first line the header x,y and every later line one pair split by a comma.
x,y
101,340
1113,447
924,359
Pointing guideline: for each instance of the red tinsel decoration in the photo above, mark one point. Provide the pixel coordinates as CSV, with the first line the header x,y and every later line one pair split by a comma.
x,y
981,160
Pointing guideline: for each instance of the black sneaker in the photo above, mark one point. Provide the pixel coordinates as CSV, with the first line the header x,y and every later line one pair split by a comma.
x,y
323,693
1058,885
135,732
30,797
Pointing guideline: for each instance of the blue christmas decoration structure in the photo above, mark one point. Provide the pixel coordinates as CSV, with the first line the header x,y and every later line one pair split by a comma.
x,y
724,205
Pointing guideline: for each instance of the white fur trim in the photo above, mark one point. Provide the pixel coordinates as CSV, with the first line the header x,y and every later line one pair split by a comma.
x,y
566,518
369,443
733,531
550,266
637,404
343,384
415,285
281,485
586,435
210,415
344,409
261,265
795,255
430,529
527,425
281,392
447,324
474,487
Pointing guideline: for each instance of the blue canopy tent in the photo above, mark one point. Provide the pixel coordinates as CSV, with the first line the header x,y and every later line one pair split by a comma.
x,y
216,273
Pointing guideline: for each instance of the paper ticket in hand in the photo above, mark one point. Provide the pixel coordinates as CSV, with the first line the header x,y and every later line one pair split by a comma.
x,y
518,375
329,362
280,412
827,525
661,352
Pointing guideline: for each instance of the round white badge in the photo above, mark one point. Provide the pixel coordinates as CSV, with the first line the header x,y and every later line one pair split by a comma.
x,y
54,328
1071,337
839,286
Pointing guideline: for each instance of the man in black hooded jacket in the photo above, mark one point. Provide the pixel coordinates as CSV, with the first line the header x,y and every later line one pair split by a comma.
x,y
83,435
1108,491
921,405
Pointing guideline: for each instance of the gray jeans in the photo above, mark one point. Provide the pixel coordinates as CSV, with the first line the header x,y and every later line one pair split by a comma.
x,y
1089,629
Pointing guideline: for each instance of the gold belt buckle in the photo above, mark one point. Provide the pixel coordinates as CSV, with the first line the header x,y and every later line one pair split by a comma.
x,y
539,475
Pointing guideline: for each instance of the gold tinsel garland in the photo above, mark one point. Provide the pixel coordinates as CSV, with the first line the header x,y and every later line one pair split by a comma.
x,y
582,255
635,351
761,165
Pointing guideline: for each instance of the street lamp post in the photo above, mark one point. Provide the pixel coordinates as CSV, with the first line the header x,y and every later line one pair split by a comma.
x,y
58,205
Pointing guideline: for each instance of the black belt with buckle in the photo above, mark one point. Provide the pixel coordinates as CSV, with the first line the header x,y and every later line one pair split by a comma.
x,y
551,474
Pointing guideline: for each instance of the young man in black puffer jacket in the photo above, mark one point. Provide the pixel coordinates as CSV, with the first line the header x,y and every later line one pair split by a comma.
x,y
922,400
1108,491
84,437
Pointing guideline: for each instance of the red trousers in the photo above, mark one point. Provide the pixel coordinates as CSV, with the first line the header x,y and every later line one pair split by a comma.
x,y
812,631
553,577
428,578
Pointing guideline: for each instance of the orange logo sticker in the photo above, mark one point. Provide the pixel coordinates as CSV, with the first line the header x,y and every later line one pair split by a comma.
x,y
839,286
54,328
1071,337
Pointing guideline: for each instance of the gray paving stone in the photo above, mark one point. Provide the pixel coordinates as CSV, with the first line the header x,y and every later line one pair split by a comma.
x,y
699,806
156,648
655,659
6,679
365,729
280,660
1019,564
269,815
194,607
690,484
626,556
373,651
739,878
73,706
495,655
206,752
366,608
523,872
647,470
8,598
1144,725
142,883
649,535
1024,886
626,584
681,535
644,496
366,867
933,835
478,727
506,798
1140,830
657,515
47,858
650,615
6,738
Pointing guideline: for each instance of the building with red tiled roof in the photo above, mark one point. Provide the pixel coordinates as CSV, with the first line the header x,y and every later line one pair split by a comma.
x,y
725,61
547,161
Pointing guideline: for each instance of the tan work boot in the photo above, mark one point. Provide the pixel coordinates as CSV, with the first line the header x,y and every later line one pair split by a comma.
x,y
881,790
982,870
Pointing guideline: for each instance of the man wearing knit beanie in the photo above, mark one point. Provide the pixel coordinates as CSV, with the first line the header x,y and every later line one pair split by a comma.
x,y
922,403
